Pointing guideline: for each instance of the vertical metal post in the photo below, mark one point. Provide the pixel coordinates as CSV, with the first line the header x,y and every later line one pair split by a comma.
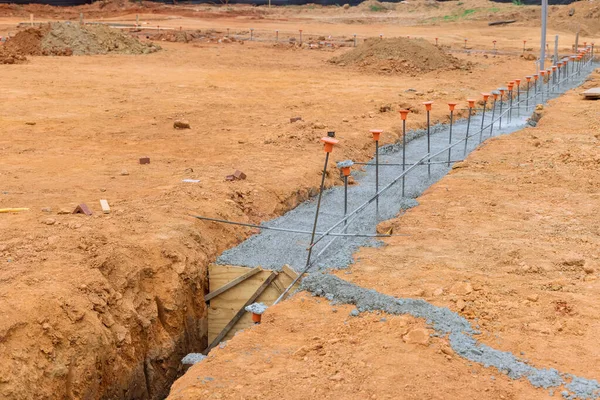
x,y
467,134
485,97
501,104
403,152
527,97
450,138
555,49
428,144
493,114
518,81
355,40
300,36
277,35
377,177
510,93
251,33
345,198
543,42
312,236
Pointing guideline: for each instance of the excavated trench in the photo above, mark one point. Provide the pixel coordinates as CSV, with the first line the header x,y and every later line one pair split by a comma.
x,y
271,249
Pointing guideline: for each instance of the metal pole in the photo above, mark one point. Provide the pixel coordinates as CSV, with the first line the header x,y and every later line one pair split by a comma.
x,y
272,228
501,103
345,197
493,114
403,152
510,106
519,99
312,237
555,49
428,143
377,178
527,97
543,42
467,134
482,118
450,138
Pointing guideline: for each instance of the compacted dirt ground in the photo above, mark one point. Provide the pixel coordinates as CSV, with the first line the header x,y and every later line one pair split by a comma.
x,y
105,306
509,240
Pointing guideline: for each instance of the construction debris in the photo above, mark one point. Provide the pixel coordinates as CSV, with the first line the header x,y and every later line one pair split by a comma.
x,y
145,160
105,206
82,209
592,94
181,124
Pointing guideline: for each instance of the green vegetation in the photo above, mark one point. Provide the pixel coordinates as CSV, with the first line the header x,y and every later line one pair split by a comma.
x,y
517,2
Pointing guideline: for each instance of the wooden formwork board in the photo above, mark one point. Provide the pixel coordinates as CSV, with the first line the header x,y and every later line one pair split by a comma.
x,y
223,307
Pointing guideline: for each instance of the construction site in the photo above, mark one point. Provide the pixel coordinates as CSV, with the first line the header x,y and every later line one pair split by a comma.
x,y
373,200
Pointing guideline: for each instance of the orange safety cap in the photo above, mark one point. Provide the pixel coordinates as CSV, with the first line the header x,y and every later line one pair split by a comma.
x,y
510,86
346,171
495,95
427,105
518,81
501,91
452,105
471,103
536,77
486,96
528,78
404,114
542,73
329,142
376,133
554,67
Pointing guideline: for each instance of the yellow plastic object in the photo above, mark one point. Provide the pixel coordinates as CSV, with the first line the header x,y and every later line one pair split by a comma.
x,y
12,210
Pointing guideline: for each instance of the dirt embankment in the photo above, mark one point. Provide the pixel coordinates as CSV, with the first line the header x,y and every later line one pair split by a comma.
x,y
65,39
509,240
399,55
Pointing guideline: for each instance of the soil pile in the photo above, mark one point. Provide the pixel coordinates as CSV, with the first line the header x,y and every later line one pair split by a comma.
x,y
399,55
10,57
65,39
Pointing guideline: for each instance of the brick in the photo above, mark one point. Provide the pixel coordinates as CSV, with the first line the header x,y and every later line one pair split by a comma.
x,y
145,160
295,119
239,175
82,209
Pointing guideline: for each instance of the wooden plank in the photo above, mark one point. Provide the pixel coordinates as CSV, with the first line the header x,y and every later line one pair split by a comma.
x,y
289,272
234,298
241,312
232,283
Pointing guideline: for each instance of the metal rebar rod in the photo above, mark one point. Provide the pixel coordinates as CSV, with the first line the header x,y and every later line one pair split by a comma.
x,y
288,230
527,97
467,134
377,178
510,106
429,143
450,138
345,197
500,119
482,121
403,152
312,238
408,163
493,113
518,99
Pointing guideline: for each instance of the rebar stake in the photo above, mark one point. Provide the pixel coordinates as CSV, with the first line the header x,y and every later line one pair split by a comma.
x,y
528,78
511,84
485,98
495,94
376,133
451,106
344,167
471,105
428,108
518,82
328,147
403,115
501,90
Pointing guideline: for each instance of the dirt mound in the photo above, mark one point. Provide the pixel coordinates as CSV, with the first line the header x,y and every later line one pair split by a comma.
x,y
9,57
65,39
399,55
